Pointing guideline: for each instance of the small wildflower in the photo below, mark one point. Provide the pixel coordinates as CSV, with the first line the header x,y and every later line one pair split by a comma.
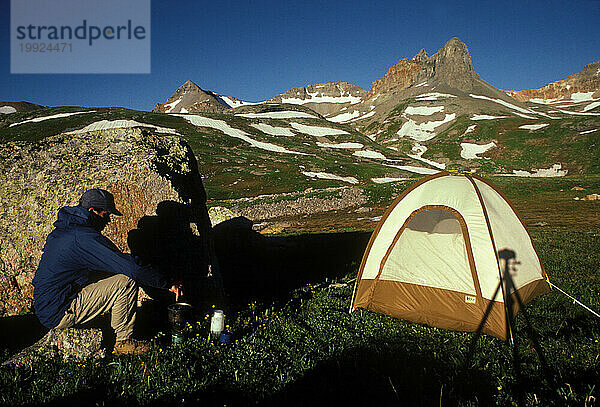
x,y
499,387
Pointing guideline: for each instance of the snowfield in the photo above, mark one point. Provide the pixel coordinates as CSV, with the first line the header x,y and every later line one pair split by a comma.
x,y
419,151
503,103
470,151
369,154
233,132
170,106
486,117
344,117
119,124
235,103
423,131
316,98
385,180
591,106
416,170
582,96
288,114
433,96
554,171
54,116
340,145
7,109
579,113
317,131
470,129
325,175
273,130
534,126
364,116
423,110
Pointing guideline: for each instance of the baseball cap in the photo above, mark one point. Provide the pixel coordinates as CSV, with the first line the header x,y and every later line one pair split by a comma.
x,y
99,199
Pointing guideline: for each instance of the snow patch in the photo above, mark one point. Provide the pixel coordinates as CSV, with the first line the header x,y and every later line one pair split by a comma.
x,y
469,151
470,129
534,126
554,171
364,116
340,145
486,117
423,110
416,170
433,96
582,96
419,150
316,98
423,131
119,124
421,84
588,131
344,117
288,114
385,180
273,130
591,106
233,132
503,103
316,130
579,113
7,109
54,116
325,175
170,106
235,103
369,154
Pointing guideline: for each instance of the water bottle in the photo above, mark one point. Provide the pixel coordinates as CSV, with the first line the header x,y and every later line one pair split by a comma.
x,y
217,323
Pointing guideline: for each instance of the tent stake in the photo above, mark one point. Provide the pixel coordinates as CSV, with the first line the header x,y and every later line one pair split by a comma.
x,y
575,300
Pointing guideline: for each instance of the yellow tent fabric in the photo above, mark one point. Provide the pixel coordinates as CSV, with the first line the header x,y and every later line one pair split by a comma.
x,y
447,253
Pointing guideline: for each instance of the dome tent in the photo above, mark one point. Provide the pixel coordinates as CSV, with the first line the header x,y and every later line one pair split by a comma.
x,y
447,253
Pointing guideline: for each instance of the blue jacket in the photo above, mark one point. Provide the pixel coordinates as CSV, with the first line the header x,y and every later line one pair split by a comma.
x,y
72,250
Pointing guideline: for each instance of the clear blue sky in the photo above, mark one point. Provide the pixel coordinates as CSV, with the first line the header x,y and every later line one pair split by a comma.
x,y
254,50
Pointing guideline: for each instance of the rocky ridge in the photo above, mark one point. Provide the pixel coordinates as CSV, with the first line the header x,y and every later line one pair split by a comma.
x,y
324,98
585,81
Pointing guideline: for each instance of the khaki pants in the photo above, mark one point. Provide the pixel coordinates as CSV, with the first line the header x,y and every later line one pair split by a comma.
x,y
117,294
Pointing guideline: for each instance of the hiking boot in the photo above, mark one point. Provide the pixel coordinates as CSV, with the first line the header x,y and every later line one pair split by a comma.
x,y
132,347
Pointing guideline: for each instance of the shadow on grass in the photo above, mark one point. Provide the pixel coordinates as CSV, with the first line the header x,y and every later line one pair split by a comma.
x,y
267,269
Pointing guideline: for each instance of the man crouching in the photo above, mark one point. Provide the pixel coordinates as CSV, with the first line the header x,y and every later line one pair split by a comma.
x,y
67,291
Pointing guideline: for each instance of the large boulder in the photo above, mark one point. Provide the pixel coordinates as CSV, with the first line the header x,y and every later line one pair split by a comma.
x,y
154,179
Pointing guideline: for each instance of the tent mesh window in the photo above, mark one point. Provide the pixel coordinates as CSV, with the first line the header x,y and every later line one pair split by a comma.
x,y
430,251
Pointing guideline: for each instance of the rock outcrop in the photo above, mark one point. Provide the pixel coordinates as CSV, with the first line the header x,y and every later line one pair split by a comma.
x,y
70,344
147,174
587,80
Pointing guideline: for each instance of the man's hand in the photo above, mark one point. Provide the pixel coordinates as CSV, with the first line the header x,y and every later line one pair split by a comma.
x,y
177,289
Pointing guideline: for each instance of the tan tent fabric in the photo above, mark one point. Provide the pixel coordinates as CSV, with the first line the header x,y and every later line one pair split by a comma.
x,y
438,254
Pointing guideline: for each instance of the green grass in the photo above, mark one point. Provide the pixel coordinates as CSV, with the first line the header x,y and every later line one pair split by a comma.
x,y
311,347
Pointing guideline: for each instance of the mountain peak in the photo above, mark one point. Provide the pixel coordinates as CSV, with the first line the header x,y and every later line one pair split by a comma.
x,y
190,98
452,64
421,56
